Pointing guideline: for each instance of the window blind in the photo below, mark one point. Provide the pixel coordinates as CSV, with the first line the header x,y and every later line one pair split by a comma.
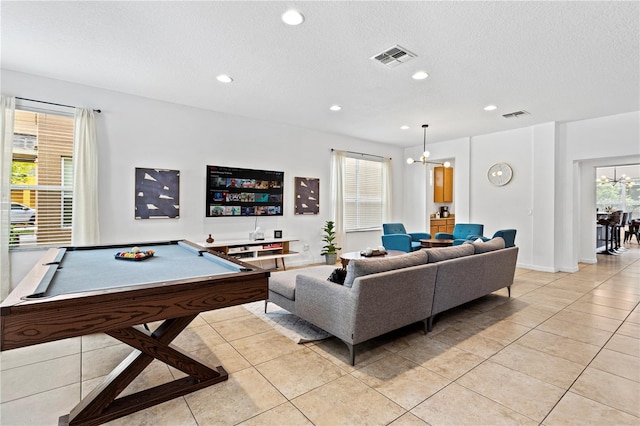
x,y
363,194
41,188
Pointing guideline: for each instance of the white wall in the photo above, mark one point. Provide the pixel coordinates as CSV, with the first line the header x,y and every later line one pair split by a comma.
x,y
139,132
551,198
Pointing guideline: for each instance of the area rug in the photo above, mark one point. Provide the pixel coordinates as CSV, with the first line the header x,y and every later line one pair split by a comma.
x,y
287,324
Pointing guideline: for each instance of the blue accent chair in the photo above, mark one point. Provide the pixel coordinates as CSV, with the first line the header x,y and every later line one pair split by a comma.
x,y
396,237
462,231
508,235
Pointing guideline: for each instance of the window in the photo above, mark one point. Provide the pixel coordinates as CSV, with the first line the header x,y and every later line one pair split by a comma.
x,y
623,196
67,195
364,193
41,180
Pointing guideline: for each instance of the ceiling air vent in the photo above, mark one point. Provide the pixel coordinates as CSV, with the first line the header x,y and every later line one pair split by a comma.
x,y
394,56
515,114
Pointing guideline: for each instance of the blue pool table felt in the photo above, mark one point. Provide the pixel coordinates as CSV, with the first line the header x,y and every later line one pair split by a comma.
x,y
98,269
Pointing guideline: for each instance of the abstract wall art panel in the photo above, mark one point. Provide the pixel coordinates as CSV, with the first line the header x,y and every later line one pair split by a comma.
x,y
157,194
307,195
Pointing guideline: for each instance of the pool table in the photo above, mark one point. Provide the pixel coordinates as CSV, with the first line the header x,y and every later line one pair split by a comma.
x,y
75,291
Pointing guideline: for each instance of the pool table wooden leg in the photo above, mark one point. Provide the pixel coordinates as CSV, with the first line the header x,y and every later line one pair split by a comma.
x,y
101,405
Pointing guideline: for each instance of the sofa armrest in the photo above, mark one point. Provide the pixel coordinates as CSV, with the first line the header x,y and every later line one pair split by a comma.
x,y
325,304
444,236
417,236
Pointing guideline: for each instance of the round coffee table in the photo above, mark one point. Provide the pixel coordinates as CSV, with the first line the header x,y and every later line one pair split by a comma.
x,y
346,257
436,243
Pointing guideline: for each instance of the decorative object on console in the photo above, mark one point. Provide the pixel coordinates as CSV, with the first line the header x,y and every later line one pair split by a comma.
x,y
307,195
257,234
330,251
500,174
425,153
157,193
210,239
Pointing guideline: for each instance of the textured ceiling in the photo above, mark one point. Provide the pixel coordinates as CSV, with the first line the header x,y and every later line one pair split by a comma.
x,y
559,61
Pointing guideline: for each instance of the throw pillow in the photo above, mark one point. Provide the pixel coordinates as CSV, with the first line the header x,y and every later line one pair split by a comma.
x,y
445,253
338,276
496,243
358,268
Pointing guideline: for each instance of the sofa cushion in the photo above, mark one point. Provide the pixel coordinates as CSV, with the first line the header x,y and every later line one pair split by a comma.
x,y
444,253
496,243
284,282
360,267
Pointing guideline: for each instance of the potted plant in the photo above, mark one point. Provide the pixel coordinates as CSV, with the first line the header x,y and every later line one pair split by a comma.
x,y
329,250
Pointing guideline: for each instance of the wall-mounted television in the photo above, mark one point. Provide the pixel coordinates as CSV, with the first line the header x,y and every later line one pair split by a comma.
x,y
232,191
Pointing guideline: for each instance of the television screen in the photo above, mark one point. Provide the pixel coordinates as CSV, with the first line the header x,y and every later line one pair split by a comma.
x,y
232,191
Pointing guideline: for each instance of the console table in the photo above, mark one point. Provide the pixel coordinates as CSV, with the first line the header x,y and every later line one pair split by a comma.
x,y
255,250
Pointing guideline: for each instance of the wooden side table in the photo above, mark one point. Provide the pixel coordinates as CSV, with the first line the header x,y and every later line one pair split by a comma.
x,y
435,243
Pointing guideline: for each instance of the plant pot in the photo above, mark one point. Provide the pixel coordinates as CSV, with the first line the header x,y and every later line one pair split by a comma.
x,y
330,259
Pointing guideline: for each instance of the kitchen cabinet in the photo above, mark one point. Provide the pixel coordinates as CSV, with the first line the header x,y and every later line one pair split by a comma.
x,y
443,184
442,225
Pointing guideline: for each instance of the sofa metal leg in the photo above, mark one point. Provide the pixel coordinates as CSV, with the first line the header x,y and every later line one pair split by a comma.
x,y
430,323
509,290
265,306
352,353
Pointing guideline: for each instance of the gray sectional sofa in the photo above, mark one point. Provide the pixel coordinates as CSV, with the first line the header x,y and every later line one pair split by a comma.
x,y
382,295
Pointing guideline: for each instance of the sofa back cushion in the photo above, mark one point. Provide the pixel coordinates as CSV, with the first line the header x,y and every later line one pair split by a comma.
x,y
496,243
445,253
360,267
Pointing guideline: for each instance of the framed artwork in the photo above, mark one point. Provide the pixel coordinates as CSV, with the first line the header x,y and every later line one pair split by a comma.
x,y
307,195
157,194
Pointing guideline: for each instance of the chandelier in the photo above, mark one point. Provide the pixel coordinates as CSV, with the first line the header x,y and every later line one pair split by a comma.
x,y
425,153
623,180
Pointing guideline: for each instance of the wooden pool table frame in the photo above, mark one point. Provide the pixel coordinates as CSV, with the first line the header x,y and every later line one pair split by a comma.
x,y
119,313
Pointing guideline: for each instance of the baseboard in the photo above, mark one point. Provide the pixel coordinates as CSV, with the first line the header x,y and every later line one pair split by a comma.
x,y
536,268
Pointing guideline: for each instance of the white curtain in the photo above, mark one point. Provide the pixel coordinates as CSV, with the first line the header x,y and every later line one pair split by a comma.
x,y
7,114
386,190
85,224
337,193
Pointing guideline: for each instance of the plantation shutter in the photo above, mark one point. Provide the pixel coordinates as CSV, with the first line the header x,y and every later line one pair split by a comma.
x,y
363,195
40,178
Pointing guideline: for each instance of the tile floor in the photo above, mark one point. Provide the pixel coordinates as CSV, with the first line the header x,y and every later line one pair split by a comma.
x,y
564,349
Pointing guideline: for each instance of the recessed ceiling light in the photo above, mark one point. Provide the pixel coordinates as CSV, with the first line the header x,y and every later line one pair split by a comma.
x,y
223,78
490,108
420,75
292,17
404,127
335,107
